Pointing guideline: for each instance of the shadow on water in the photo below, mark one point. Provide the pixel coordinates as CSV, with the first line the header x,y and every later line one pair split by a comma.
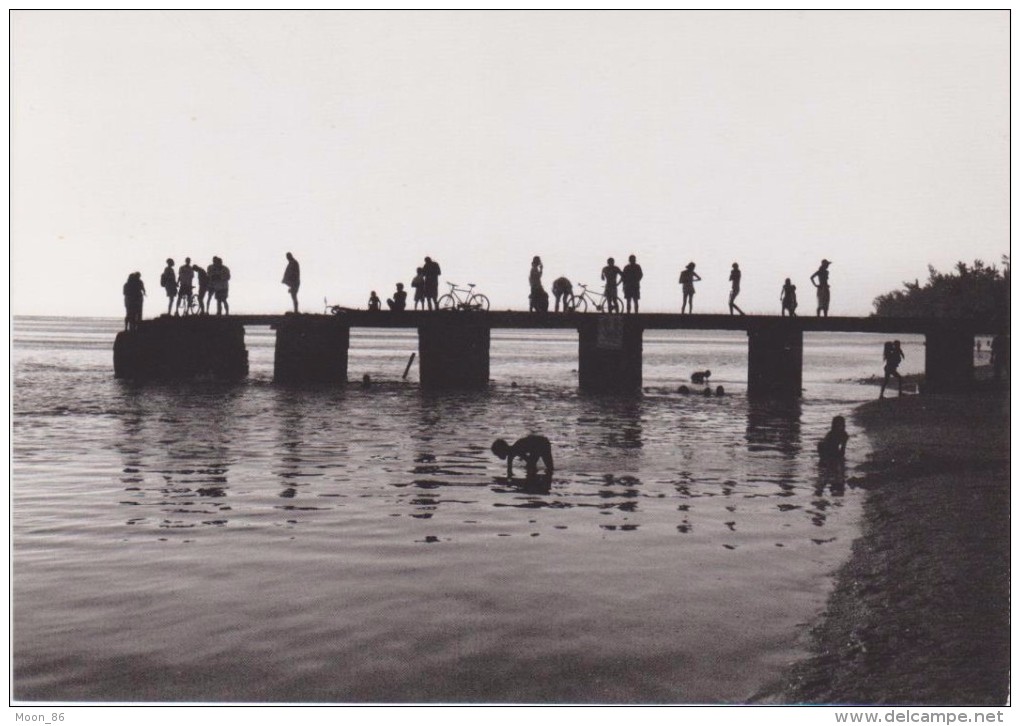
x,y
184,476
774,425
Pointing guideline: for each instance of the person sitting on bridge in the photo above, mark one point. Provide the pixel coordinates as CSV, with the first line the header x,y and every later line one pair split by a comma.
x,y
833,446
788,298
893,355
562,289
374,303
399,300
168,281
531,449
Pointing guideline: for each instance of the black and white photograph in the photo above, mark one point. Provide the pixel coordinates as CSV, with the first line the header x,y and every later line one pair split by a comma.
x,y
442,358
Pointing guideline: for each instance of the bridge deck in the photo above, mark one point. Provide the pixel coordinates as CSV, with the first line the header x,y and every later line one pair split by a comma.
x,y
649,321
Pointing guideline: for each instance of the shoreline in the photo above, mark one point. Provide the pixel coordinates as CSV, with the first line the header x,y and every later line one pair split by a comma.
x,y
920,613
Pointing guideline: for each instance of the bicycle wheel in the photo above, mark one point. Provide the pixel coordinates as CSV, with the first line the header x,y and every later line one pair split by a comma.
x,y
447,302
478,301
578,304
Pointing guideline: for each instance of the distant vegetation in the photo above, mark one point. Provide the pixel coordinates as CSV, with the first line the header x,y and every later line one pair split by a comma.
x,y
969,291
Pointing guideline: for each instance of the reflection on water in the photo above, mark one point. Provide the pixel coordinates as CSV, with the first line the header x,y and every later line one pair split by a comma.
x,y
257,542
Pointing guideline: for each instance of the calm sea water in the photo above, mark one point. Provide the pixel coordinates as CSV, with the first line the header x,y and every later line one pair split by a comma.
x,y
204,542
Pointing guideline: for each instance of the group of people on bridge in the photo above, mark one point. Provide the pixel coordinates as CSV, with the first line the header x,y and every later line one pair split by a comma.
x,y
214,282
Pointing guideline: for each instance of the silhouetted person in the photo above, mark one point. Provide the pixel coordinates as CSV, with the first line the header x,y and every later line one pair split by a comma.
x,y
203,286
687,279
430,274
134,296
399,300
1000,356
833,446
632,275
374,303
788,298
418,283
735,288
292,278
531,449
219,282
168,281
893,355
185,291
611,274
820,279
538,299
701,376
562,290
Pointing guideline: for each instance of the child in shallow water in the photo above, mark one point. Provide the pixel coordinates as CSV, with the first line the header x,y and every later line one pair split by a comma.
x,y
833,446
531,449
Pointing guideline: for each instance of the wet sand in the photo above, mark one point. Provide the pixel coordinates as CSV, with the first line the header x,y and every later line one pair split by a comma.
x,y
920,612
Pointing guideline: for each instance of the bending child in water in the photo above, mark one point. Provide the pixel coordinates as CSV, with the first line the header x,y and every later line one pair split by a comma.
x,y
531,449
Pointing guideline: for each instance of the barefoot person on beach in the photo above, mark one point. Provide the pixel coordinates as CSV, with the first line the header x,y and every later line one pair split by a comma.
x,y
893,355
833,446
531,449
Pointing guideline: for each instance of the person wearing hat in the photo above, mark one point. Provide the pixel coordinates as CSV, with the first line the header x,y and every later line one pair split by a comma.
x,y
820,279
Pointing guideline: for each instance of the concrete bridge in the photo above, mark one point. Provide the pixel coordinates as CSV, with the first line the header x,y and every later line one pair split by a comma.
x,y
453,346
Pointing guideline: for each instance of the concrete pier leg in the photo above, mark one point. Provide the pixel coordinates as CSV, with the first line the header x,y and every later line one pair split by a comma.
x,y
775,356
182,348
452,355
609,355
311,350
948,361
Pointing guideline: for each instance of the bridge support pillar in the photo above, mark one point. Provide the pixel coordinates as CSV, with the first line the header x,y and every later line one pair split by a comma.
x,y
311,350
453,354
609,355
182,348
948,360
775,354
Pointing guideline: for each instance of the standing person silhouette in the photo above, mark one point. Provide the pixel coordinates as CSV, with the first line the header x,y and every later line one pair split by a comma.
x,y
185,277
430,274
687,279
219,282
562,289
535,283
788,298
292,278
134,296
203,286
735,288
168,281
893,355
611,274
632,275
820,279
833,446
418,283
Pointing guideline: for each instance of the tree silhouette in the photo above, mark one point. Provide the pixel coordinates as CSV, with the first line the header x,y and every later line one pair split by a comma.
x,y
974,291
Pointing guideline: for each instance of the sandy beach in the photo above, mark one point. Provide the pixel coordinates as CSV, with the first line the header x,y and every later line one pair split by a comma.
x,y
920,612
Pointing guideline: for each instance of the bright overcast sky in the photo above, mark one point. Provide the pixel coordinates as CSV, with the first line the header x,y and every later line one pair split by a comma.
x,y
363,141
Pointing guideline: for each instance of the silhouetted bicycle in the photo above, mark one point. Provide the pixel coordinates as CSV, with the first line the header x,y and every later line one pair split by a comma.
x,y
463,298
580,303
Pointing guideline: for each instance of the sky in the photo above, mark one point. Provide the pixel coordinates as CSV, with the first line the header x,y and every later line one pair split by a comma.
x,y
363,141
